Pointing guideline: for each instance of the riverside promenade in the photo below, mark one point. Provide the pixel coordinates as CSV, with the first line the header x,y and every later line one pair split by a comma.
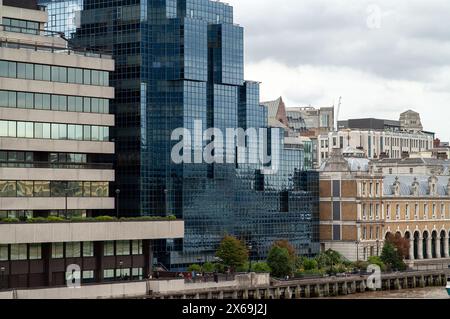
x,y
248,286
311,288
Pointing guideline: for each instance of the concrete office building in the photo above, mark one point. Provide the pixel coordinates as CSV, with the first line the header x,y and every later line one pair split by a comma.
x,y
54,121
376,142
54,142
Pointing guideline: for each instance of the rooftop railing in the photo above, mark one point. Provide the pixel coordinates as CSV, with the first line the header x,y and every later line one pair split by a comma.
x,y
8,43
56,165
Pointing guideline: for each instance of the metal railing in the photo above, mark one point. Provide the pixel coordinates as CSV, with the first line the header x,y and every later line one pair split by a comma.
x,y
56,165
7,43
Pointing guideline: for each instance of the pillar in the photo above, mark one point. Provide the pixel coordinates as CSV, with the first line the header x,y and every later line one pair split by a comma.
x,y
317,292
397,284
446,252
326,290
420,248
267,294
411,249
353,287
235,295
277,293
221,294
287,293
429,252
344,288
438,247
307,291
422,282
257,295
298,292
147,247
362,286
245,294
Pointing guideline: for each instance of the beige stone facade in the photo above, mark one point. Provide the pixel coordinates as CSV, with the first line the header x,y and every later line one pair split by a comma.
x,y
359,208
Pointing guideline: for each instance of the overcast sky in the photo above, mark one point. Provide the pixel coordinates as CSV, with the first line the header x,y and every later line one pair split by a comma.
x,y
383,57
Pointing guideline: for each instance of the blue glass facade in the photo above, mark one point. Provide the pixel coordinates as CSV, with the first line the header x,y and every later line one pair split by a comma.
x,y
63,15
177,62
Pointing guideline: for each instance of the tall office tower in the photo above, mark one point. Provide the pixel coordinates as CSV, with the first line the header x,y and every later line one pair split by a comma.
x,y
63,15
54,121
178,62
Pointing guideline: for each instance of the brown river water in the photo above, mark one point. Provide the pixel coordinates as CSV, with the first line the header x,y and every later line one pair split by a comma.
x,y
422,293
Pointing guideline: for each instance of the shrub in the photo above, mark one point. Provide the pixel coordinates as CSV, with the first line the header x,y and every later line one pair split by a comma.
x,y
340,268
375,260
261,267
310,264
10,220
105,218
55,219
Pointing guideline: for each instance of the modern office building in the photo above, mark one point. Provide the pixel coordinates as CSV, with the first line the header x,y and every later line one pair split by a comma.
x,y
64,15
56,164
178,62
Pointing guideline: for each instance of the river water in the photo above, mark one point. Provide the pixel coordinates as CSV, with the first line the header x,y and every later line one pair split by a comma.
x,y
423,293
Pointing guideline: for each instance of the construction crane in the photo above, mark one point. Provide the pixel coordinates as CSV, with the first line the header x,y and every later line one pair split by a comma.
x,y
337,112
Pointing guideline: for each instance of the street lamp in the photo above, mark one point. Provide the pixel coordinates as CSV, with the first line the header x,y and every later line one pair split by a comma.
x,y
378,247
120,265
250,257
117,202
357,250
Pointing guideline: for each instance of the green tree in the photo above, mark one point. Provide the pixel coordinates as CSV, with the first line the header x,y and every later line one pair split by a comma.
x,y
208,267
261,267
286,244
195,267
280,262
233,252
391,257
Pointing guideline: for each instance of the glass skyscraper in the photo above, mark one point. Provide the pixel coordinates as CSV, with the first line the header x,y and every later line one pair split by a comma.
x,y
177,62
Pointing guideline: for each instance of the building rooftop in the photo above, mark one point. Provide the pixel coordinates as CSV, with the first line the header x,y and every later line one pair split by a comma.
x,y
369,123
25,4
406,185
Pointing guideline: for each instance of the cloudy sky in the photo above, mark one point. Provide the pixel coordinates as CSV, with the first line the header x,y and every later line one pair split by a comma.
x,y
383,57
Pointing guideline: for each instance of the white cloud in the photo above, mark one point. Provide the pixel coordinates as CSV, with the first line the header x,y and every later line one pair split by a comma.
x,y
313,51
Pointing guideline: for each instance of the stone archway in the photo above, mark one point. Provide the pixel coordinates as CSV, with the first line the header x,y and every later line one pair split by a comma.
x,y
416,245
442,244
434,244
411,255
426,245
